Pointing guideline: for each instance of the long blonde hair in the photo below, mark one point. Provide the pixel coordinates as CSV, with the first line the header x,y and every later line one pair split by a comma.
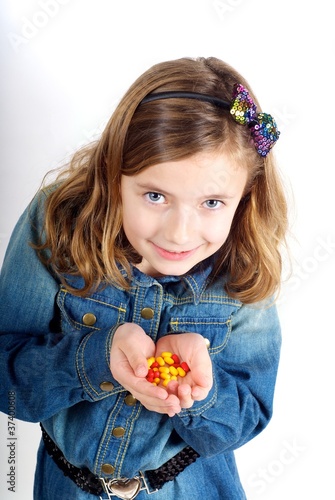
x,y
83,231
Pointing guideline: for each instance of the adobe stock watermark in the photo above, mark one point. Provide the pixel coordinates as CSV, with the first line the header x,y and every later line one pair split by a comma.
x,y
322,252
11,474
89,136
30,27
283,117
266,475
224,7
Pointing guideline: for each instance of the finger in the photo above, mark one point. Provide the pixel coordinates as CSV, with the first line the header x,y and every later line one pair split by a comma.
x,y
199,393
137,362
202,379
135,346
141,388
169,406
201,370
185,396
139,366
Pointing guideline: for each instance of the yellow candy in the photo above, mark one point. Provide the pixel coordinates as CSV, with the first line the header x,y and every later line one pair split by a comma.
x,y
165,376
157,380
181,372
173,370
168,360
150,361
164,369
160,361
166,354
173,377
166,381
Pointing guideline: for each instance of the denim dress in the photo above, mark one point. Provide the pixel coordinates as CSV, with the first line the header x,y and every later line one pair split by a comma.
x,y
55,356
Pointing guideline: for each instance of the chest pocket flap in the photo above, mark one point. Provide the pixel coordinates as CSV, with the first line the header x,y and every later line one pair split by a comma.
x,y
90,313
216,330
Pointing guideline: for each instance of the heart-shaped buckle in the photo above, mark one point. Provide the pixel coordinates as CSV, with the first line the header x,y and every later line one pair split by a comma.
x,y
127,489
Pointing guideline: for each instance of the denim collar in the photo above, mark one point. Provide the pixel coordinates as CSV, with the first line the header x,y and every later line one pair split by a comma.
x,y
197,279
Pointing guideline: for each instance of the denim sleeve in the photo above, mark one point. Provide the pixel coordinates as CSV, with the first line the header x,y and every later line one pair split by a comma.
x,y
240,403
47,370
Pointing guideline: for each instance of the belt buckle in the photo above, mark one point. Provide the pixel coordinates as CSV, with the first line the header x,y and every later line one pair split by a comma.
x,y
124,488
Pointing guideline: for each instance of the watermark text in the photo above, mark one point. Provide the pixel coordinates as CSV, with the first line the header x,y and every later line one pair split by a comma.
x,y
11,475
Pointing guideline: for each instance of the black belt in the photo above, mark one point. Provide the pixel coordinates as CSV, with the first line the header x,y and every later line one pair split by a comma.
x,y
92,484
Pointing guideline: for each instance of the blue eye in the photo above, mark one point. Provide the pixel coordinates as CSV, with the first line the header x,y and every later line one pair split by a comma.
x,y
155,197
213,204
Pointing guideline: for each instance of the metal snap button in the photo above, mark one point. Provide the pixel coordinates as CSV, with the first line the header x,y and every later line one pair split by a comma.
x,y
207,342
89,319
147,313
106,386
130,400
118,432
107,468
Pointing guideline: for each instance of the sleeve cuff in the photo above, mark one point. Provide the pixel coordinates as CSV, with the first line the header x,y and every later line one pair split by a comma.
x,y
93,365
199,407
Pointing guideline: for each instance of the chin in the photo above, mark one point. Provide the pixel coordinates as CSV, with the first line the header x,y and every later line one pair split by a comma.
x,y
172,270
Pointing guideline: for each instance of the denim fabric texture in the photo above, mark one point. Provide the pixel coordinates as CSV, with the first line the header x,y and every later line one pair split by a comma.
x,y
56,364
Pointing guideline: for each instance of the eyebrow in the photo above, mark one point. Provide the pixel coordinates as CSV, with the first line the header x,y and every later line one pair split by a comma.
x,y
150,187
210,196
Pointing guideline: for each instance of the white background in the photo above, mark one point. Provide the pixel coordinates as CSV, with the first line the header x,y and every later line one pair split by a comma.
x,y
64,65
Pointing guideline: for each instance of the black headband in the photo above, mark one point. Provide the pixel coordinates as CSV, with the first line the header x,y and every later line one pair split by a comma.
x,y
188,95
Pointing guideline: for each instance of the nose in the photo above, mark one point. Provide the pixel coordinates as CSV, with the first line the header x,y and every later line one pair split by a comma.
x,y
179,226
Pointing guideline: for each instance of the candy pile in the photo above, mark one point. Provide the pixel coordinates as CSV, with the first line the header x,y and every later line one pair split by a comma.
x,y
166,367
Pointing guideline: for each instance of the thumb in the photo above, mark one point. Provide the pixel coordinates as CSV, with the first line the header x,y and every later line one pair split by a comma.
x,y
203,376
139,364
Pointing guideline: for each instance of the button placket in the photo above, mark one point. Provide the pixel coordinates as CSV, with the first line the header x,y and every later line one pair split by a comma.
x,y
147,309
117,435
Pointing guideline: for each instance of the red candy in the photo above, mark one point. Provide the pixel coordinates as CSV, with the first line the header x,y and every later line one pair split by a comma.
x,y
175,359
185,366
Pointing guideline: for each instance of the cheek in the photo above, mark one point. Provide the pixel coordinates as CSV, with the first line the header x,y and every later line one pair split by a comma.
x,y
219,229
128,222
217,232
136,224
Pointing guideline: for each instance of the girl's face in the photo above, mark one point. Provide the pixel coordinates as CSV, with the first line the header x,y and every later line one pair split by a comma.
x,y
178,213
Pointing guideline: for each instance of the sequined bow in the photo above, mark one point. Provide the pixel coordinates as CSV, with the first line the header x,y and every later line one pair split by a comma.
x,y
263,127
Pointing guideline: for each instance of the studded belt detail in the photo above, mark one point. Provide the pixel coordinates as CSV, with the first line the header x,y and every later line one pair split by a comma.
x,y
124,488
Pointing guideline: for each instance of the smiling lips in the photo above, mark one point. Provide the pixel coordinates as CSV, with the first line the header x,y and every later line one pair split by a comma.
x,y
166,254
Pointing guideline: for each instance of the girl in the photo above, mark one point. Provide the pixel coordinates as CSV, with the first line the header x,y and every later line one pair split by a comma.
x,y
164,236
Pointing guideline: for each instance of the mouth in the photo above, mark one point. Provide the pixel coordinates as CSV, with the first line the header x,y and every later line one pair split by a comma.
x,y
174,255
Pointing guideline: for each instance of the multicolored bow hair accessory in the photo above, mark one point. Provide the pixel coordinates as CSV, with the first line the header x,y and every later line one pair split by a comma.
x,y
263,128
